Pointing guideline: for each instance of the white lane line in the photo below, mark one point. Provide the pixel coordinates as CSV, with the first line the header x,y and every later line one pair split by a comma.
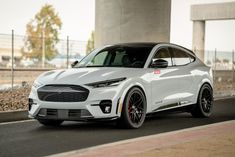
x,y
21,121
73,152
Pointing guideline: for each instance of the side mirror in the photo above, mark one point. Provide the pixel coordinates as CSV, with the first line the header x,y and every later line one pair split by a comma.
x,y
159,63
74,63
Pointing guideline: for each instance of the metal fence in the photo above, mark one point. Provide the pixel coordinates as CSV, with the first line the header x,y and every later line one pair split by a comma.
x,y
17,64
15,50
223,65
18,70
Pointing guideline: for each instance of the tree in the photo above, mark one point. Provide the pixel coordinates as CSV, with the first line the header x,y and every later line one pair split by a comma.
x,y
90,43
42,32
208,62
217,60
225,60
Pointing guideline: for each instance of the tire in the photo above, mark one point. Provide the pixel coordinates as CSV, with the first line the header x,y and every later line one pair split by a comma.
x,y
204,105
48,122
134,109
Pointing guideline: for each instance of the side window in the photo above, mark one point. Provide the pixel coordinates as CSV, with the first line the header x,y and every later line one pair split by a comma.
x,y
118,58
192,58
163,53
180,57
99,59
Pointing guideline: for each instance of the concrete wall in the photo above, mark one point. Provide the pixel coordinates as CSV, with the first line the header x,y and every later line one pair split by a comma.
x,y
199,38
132,21
20,75
216,11
203,12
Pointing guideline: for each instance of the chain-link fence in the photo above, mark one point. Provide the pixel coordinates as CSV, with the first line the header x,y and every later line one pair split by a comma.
x,y
38,52
24,58
223,64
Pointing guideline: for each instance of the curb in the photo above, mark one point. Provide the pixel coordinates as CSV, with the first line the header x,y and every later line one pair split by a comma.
x,y
9,116
100,150
225,97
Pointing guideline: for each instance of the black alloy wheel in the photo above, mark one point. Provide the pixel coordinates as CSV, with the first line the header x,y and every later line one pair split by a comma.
x,y
134,109
204,105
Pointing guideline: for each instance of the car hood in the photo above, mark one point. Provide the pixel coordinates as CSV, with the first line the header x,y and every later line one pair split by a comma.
x,y
83,75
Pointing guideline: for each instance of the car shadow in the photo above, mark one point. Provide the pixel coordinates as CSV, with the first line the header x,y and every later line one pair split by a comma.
x,y
151,120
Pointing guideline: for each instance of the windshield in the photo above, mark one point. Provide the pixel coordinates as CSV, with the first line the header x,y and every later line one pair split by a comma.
x,y
117,56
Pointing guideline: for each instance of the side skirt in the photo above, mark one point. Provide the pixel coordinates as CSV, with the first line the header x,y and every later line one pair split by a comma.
x,y
173,108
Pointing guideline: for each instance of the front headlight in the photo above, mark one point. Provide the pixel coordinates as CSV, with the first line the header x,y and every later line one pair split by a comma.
x,y
37,84
107,83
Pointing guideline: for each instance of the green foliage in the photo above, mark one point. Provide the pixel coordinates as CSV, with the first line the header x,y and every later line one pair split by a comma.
x,y
43,28
217,60
208,62
91,43
225,60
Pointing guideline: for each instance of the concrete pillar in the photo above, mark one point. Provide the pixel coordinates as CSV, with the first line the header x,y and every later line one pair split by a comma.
x,y
199,38
119,21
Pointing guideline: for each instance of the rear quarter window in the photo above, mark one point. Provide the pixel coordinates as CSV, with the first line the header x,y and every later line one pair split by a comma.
x,y
181,57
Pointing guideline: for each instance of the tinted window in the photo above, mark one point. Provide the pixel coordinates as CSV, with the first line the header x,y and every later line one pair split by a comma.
x,y
180,57
192,58
118,56
163,53
99,59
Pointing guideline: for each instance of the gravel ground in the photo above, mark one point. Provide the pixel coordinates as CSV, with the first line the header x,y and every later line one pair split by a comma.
x,y
18,99
14,100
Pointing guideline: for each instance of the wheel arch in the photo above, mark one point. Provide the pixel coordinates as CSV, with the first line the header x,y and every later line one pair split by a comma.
x,y
197,110
205,81
122,98
137,86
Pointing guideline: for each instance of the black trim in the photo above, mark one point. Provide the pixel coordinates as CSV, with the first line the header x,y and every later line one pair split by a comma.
x,y
63,114
117,106
30,103
90,119
105,103
186,52
167,106
166,47
179,109
62,93
105,82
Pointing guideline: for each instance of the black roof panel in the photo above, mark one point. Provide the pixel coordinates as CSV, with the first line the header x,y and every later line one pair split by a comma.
x,y
152,44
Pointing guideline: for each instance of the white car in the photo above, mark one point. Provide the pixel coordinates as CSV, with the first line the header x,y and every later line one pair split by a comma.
x,y
124,82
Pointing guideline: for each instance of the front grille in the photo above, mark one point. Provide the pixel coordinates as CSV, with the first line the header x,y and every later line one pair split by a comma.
x,y
51,112
64,114
63,93
74,113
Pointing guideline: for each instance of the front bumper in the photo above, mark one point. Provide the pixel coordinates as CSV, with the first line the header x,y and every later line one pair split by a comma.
x,y
93,108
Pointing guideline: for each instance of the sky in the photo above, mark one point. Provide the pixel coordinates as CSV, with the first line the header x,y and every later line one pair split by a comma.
x,y
220,35
78,18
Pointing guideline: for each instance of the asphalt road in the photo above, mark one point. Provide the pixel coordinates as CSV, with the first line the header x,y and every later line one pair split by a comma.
x,y
32,139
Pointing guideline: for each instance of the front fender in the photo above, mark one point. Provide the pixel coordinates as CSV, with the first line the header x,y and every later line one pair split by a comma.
x,y
131,84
